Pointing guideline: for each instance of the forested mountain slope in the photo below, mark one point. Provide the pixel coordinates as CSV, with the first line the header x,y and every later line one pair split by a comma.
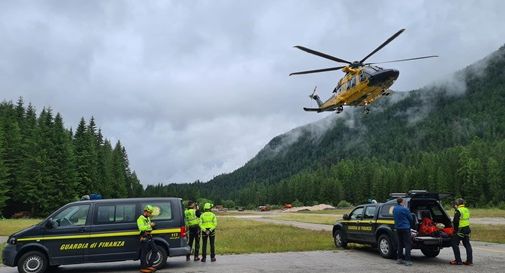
x,y
445,137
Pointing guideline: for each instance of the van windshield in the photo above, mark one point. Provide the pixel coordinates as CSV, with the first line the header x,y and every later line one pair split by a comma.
x,y
72,216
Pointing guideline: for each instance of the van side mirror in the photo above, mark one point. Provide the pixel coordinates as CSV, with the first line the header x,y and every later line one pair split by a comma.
x,y
346,216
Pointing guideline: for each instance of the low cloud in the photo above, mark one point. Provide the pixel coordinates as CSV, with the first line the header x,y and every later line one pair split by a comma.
x,y
196,88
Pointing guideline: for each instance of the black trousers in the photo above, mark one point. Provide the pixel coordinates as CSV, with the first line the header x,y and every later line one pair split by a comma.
x,y
146,245
404,241
194,235
462,235
212,238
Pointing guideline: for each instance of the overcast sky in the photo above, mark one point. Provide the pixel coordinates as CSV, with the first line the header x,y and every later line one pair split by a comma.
x,y
196,88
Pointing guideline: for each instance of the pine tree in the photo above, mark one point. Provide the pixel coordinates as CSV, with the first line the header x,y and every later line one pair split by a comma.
x,y
84,147
118,172
65,183
3,176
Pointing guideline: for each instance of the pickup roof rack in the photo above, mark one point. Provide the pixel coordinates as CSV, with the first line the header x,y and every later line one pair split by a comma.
x,y
415,194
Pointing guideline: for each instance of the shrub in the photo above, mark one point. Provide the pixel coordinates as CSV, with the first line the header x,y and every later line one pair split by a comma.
x,y
344,204
297,203
229,204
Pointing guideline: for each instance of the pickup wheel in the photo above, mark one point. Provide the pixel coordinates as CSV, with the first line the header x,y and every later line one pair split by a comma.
x,y
386,247
431,252
33,262
339,240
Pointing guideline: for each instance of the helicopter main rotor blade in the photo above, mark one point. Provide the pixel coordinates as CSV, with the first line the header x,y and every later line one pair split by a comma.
x,y
404,60
324,55
317,70
384,44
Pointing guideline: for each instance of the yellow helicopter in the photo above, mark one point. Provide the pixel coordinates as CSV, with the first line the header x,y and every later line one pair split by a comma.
x,y
362,84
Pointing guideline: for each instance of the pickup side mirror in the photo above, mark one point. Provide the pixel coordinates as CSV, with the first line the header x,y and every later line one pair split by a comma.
x,y
50,224
346,217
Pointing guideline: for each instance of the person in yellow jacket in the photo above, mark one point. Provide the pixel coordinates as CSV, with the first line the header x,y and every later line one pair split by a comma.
x,y
461,224
192,218
208,224
146,240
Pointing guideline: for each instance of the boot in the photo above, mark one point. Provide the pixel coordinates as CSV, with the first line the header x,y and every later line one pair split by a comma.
x,y
203,260
196,259
212,259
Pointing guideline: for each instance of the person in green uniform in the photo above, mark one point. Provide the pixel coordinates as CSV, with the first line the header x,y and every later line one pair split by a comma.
x,y
146,240
208,224
461,224
191,215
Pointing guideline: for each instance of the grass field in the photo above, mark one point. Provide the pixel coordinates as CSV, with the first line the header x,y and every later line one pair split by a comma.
x,y
236,236
488,233
479,213
9,226
2,245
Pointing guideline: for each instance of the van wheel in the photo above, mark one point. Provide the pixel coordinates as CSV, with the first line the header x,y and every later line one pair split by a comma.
x,y
386,247
339,240
161,257
32,262
431,252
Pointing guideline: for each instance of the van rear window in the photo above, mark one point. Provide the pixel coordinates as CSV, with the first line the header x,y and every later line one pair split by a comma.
x,y
162,210
119,213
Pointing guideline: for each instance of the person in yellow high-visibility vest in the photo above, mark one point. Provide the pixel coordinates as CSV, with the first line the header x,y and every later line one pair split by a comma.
x,y
208,224
146,240
192,218
461,224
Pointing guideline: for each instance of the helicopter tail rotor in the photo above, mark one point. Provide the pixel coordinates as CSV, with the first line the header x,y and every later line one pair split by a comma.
x,y
316,97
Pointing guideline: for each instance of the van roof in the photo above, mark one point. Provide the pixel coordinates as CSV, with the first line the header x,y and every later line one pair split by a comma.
x,y
151,199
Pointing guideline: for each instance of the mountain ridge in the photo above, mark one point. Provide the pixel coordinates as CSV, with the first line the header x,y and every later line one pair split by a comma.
x,y
400,129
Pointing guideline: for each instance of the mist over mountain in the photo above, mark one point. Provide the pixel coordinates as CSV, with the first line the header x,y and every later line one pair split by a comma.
x,y
448,136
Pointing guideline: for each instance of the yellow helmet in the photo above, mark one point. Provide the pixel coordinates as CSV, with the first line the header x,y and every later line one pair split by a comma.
x,y
149,208
207,206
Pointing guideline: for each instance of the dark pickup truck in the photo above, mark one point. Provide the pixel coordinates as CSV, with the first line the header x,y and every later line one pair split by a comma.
x,y
373,224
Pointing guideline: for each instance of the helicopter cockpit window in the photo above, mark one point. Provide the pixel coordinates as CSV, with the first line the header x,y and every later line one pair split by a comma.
x,y
352,83
363,76
337,89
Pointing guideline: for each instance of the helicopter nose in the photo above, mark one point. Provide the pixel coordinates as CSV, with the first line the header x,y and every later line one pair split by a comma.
x,y
384,76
